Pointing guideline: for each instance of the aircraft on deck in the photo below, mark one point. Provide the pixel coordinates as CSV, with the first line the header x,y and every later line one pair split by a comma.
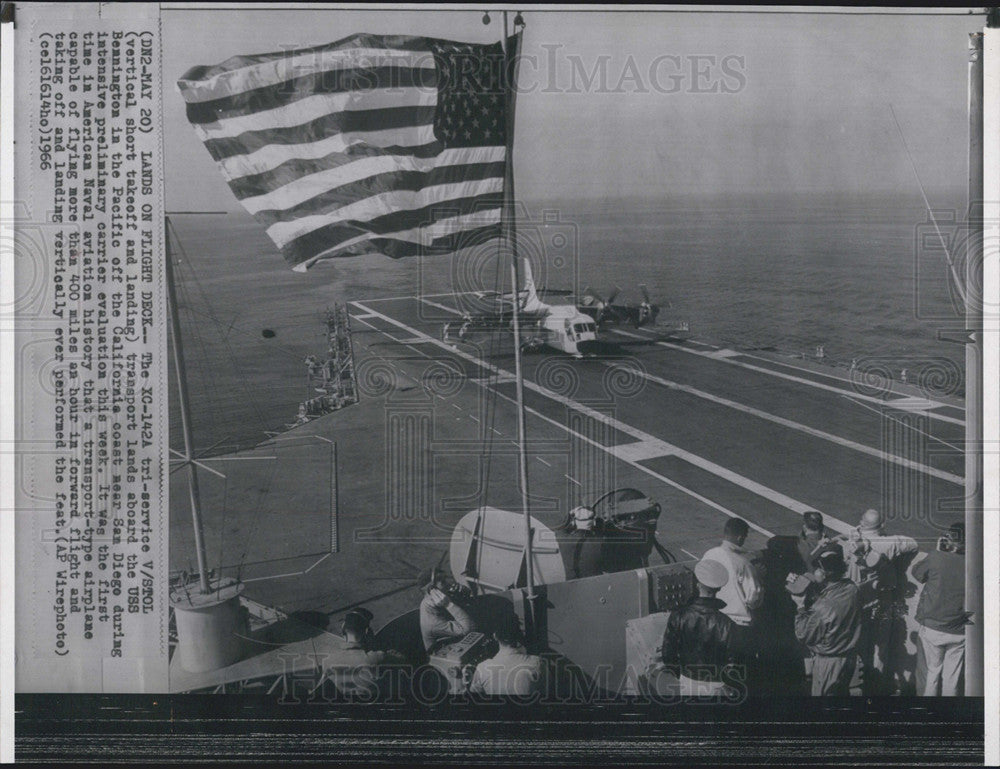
x,y
606,311
560,326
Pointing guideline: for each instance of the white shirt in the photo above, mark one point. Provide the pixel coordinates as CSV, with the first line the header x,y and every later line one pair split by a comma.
x,y
741,593
511,672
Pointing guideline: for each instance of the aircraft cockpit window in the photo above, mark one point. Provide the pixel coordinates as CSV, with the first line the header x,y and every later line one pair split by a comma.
x,y
582,328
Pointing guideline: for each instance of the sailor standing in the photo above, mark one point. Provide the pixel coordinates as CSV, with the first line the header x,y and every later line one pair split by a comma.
x,y
831,627
877,563
941,615
742,592
701,642
811,540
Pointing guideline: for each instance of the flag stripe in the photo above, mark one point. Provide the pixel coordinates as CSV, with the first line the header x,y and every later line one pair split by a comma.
x,y
292,170
329,174
312,107
449,234
332,200
416,221
272,156
325,126
203,83
446,199
263,99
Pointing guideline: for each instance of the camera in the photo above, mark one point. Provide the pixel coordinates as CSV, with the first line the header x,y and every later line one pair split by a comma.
x,y
456,593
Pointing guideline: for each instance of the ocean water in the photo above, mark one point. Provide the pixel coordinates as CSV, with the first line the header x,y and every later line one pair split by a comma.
x,y
863,277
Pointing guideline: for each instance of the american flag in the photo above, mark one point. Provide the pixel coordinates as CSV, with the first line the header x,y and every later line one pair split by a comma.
x,y
373,144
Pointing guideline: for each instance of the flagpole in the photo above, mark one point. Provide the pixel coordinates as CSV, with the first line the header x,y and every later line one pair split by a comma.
x,y
511,241
185,409
974,670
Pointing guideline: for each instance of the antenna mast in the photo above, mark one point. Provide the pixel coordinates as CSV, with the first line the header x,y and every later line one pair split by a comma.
x,y
510,238
185,408
974,563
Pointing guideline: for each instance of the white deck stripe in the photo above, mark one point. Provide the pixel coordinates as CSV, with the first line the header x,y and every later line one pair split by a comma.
x,y
440,306
613,451
816,433
830,521
790,377
643,452
711,467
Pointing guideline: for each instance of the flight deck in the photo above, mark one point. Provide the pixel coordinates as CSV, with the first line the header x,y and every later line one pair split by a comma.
x,y
356,507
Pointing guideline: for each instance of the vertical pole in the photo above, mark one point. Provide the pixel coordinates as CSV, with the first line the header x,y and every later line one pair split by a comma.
x,y
335,503
510,237
974,669
185,407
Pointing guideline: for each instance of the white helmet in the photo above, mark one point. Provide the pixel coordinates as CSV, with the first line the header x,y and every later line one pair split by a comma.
x,y
583,518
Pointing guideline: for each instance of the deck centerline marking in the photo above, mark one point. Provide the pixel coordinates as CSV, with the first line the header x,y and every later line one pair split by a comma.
x,y
792,425
783,375
726,474
840,527
911,427
452,310
827,374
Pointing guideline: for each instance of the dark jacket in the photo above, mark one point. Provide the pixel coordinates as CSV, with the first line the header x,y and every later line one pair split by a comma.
x,y
699,634
942,602
582,554
831,627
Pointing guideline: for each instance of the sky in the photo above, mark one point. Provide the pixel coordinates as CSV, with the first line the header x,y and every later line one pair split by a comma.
x,y
655,104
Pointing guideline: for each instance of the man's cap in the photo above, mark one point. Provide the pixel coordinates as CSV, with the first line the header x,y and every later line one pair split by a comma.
x,y
358,619
871,520
831,558
711,573
956,532
812,520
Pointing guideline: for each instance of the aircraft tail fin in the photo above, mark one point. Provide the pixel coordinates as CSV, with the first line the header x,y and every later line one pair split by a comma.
x,y
531,301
